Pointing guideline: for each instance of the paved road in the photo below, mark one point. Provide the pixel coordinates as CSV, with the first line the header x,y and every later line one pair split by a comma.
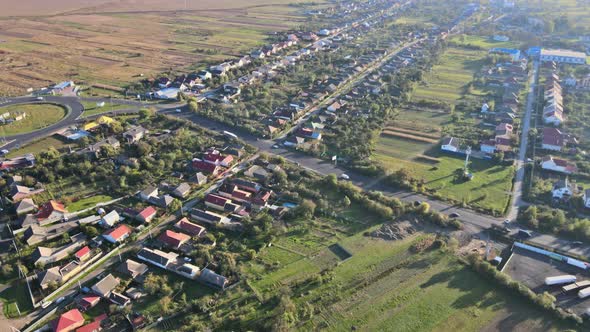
x,y
75,110
517,200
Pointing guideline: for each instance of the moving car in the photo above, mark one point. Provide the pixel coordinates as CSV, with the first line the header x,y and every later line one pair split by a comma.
x,y
344,176
454,215
178,110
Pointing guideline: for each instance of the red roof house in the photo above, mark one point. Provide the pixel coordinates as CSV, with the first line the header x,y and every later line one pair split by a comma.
x,y
94,326
68,321
189,227
216,201
215,157
147,214
83,254
173,239
205,167
117,235
88,301
51,210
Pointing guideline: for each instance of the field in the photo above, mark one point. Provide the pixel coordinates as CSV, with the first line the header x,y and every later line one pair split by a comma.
x,y
38,116
101,44
447,81
488,190
88,202
90,108
483,42
39,146
384,287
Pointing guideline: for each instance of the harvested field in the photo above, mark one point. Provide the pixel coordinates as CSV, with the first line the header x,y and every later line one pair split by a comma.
x,y
398,134
414,132
99,42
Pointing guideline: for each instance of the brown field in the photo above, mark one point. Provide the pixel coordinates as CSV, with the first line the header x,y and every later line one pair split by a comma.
x,y
113,42
418,137
413,132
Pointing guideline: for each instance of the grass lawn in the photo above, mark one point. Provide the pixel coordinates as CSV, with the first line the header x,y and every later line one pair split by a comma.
x,y
489,188
38,116
39,146
400,148
482,41
422,120
88,202
90,108
17,294
448,79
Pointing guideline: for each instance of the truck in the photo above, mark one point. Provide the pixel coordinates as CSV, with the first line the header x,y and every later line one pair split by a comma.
x,y
557,280
230,134
584,293
576,285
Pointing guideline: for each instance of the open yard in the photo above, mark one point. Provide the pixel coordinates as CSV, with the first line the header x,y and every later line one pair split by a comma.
x,y
36,116
88,202
39,146
448,80
488,190
105,47
384,287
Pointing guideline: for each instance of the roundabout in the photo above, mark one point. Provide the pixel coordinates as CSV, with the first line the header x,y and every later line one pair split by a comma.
x,y
26,118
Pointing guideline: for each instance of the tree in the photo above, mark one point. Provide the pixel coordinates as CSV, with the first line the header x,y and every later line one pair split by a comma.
x,y
193,106
175,205
424,208
7,270
145,113
346,201
306,209
166,304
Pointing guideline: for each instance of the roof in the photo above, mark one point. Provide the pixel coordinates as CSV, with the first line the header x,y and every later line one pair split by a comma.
x,y
190,227
216,199
119,232
182,188
213,278
25,204
204,166
91,327
157,256
111,218
49,275
173,239
68,321
563,53
106,285
552,136
82,252
132,268
48,208
451,141
206,215
147,212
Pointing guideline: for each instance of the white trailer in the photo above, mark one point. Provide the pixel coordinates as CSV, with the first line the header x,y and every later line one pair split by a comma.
x,y
584,293
557,280
230,134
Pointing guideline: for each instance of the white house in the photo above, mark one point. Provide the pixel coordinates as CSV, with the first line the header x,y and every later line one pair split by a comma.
x,y
558,165
450,144
563,189
110,219
563,56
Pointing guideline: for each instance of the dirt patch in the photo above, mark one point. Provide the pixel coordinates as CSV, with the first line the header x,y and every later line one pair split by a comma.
x,y
395,231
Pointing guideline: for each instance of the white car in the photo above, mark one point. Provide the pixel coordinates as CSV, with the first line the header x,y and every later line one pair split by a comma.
x,y
178,110
344,177
506,221
40,98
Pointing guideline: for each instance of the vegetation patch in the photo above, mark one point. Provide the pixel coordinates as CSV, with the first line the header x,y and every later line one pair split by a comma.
x,y
30,117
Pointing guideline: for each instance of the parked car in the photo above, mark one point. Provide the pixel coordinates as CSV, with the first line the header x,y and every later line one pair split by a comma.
x,y
178,110
454,215
60,300
416,203
523,233
40,98
344,176
577,243
506,221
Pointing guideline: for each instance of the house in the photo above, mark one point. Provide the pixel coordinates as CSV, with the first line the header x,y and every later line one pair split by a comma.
x,y
504,129
188,270
450,144
157,257
205,167
182,190
164,82
18,192
110,219
132,268
148,192
83,254
553,117
558,165
294,141
211,278
190,228
554,139
215,157
163,201
134,134
563,189
216,202
488,146
204,75
50,212
208,216
173,239
105,286
44,255
117,235
199,178
257,54
27,205
49,277
563,56
147,215
68,321
119,299
88,302
134,293
35,234
257,172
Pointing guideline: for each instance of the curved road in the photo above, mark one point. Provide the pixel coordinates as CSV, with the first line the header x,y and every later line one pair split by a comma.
x,y
75,109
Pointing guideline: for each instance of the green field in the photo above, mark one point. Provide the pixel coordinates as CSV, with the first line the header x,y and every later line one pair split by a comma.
x,y
39,146
90,108
384,287
483,42
447,81
38,116
424,121
488,190
88,202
